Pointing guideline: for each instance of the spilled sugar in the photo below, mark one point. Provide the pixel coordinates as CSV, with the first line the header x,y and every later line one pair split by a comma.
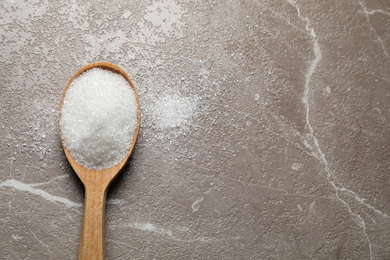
x,y
169,115
99,118
173,111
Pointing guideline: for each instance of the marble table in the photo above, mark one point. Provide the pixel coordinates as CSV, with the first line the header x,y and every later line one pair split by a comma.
x,y
265,128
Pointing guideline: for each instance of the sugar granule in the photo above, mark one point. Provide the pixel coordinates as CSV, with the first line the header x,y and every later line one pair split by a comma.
x,y
172,111
99,118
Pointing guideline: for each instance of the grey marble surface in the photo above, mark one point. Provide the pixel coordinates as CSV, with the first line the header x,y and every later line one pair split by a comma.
x,y
264,135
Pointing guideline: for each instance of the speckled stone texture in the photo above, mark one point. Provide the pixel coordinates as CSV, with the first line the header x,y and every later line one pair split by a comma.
x,y
265,128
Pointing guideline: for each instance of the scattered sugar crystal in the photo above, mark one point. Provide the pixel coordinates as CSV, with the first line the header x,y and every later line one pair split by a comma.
x,y
173,111
99,118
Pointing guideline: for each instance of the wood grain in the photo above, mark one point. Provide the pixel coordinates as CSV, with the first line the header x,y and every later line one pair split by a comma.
x,y
96,182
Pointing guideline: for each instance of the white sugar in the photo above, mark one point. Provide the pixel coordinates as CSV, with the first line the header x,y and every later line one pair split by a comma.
x,y
99,118
171,111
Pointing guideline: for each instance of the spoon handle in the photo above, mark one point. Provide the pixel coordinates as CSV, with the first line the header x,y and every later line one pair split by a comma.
x,y
92,244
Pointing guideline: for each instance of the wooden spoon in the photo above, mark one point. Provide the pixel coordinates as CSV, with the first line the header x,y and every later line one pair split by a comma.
x,y
96,182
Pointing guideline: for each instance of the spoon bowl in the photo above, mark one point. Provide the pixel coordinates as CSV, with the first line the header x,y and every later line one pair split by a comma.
x,y
96,182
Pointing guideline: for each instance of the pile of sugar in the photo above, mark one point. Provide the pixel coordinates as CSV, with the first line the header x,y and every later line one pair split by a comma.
x,y
99,118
